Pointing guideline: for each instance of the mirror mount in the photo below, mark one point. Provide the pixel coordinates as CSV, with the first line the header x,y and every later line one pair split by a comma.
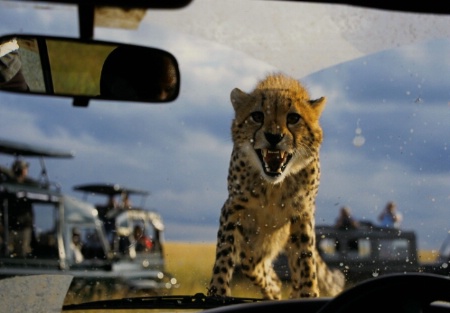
x,y
86,20
81,102
86,16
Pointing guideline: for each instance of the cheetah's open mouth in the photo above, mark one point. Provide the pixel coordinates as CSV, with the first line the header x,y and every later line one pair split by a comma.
x,y
273,161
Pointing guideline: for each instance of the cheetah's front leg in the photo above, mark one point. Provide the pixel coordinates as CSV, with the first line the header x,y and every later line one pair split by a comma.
x,y
262,275
301,254
223,269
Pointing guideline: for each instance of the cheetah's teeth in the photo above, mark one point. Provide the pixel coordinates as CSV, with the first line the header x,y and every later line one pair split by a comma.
x,y
281,154
274,160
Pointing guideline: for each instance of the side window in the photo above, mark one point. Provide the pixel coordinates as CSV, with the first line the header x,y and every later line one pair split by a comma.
x,y
396,249
142,239
328,247
445,249
123,223
358,248
122,240
83,242
44,244
90,243
364,248
334,248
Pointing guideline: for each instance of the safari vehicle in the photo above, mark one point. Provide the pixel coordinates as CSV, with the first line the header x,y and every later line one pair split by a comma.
x,y
382,66
67,236
134,233
440,265
365,252
369,251
444,251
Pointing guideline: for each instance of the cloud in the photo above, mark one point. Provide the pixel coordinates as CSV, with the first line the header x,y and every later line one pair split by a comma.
x,y
59,20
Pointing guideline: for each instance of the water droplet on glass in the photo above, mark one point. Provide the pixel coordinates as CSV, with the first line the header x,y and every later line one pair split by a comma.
x,y
358,141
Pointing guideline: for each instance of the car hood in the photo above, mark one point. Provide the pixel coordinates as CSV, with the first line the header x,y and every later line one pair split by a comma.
x,y
36,293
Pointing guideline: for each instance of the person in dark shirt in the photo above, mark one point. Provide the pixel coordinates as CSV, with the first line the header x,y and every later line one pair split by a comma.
x,y
345,220
21,216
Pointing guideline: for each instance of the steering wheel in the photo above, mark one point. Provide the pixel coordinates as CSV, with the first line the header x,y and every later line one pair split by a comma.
x,y
412,292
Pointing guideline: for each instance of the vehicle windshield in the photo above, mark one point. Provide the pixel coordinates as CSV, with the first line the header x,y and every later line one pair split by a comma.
x,y
385,139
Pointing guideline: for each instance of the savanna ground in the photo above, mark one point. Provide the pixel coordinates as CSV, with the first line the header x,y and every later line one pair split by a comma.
x,y
191,264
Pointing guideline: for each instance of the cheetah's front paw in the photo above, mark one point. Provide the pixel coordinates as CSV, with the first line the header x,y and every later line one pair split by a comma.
x,y
218,291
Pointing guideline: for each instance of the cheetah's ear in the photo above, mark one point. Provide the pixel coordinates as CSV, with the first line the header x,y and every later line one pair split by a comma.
x,y
238,97
318,105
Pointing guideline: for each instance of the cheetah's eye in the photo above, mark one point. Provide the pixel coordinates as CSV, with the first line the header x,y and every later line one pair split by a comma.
x,y
293,118
257,117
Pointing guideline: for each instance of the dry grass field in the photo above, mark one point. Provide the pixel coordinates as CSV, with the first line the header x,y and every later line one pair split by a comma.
x,y
427,255
191,264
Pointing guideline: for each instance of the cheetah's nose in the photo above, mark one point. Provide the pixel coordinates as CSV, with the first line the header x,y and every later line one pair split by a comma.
x,y
273,139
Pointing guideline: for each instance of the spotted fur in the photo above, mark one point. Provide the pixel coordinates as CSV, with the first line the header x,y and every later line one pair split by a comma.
x,y
273,180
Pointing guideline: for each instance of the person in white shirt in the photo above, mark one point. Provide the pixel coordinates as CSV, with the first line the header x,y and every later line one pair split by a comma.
x,y
75,246
390,217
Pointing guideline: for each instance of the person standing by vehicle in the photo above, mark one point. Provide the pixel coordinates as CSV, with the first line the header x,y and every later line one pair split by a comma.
x,y
20,175
103,210
345,220
126,202
390,217
21,216
20,170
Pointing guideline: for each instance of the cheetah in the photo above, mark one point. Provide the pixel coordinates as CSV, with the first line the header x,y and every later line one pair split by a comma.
x,y
273,180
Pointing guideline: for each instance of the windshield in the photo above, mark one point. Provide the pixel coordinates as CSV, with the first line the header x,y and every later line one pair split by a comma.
x,y
385,133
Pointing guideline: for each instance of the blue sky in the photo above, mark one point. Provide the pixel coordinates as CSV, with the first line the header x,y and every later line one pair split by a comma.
x,y
398,101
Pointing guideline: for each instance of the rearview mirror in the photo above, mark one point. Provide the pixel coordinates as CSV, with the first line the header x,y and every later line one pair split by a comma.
x,y
87,69
152,4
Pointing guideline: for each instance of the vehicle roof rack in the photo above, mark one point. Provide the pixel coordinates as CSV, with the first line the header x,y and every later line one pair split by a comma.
x,y
109,189
19,149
